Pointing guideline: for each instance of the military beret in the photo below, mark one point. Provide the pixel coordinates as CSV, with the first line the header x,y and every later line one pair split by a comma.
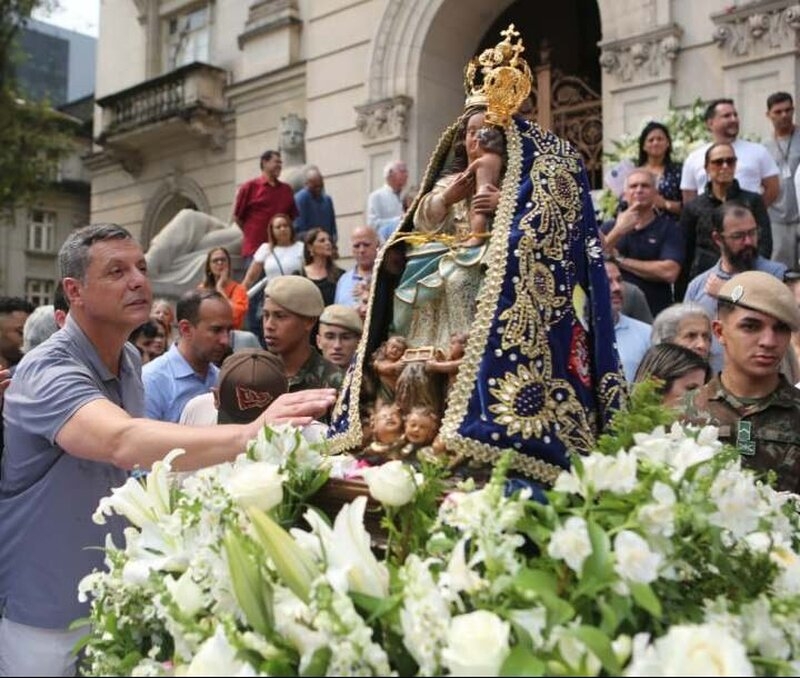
x,y
762,292
342,316
296,294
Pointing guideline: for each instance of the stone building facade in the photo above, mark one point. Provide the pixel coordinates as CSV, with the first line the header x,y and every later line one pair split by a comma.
x,y
191,92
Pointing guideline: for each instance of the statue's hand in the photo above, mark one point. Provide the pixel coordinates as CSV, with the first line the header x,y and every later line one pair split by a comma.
x,y
486,200
459,188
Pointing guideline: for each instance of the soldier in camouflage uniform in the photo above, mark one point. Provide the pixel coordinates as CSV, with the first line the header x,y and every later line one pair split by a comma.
x,y
292,305
756,409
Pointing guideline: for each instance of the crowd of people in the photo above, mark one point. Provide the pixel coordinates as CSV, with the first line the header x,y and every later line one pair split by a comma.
x,y
694,261
682,231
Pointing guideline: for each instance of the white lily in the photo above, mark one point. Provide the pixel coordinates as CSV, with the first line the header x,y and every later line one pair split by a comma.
x,y
349,561
141,502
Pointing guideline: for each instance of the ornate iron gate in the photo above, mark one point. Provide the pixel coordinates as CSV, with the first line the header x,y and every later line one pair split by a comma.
x,y
568,106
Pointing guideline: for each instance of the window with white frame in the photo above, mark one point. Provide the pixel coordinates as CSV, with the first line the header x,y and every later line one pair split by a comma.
x,y
40,292
42,231
187,37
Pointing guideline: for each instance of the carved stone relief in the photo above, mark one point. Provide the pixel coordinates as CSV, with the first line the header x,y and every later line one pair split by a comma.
x,y
385,119
757,27
642,57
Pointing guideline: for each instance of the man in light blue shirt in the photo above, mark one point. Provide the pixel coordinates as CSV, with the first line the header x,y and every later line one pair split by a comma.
x,y
632,336
735,231
353,283
205,320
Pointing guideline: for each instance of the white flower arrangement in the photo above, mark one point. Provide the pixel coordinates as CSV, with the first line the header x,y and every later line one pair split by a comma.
x,y
665,558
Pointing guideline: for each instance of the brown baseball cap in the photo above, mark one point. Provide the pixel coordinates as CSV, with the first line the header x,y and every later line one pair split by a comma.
x,y
249,381
342,316
762,292
296,294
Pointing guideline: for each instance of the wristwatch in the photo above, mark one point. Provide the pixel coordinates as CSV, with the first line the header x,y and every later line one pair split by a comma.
x,y
620,258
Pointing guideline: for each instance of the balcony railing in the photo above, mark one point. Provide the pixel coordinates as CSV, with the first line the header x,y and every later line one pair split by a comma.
x,y
194,88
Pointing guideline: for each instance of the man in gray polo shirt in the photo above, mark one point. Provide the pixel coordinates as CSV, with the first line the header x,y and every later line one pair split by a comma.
x,y
73,426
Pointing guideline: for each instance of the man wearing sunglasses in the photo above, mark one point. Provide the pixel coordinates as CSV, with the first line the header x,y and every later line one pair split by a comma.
x,y
756,170
702,251
736,233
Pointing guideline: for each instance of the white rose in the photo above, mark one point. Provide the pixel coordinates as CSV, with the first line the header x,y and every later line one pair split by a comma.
x,y
258,485
616,474
571,543
635,562
392,483
692,650
477,644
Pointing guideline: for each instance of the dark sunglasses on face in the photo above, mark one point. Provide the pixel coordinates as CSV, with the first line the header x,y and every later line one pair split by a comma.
x,y
719,162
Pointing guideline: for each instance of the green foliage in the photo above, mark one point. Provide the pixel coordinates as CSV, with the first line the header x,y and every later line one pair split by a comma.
x,y
643,411
33,136
408,527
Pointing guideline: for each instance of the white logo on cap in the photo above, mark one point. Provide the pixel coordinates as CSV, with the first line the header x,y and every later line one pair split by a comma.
x,y
737,293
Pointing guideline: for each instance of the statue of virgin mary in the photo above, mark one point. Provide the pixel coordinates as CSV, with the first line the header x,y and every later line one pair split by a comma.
x,y
540,374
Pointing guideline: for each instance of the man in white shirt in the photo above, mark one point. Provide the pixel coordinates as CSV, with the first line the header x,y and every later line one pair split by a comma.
x,y
384,205
755,168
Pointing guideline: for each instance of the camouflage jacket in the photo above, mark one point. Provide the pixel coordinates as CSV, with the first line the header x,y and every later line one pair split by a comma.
x,y
316,372
765,431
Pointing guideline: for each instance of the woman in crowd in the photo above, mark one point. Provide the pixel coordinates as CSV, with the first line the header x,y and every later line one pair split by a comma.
x,y
281,254
655,155
701,251
319,265
163,312
677,368
218,277
687,324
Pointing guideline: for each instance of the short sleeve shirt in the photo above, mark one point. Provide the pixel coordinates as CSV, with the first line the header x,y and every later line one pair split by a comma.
x,y
256,203
47,496
170,383
660,240
753,164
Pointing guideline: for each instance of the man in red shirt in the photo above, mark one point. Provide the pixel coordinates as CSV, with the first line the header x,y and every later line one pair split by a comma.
x,y
258,200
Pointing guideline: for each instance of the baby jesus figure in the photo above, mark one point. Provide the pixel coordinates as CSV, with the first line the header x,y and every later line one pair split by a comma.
x,y
487,168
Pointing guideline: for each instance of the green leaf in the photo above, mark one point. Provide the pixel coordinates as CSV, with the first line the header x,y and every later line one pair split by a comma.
x,y
536,581
544,586
318,666
600,645
294,565
598,568
522,662
609,618
646,599
253,592
373,606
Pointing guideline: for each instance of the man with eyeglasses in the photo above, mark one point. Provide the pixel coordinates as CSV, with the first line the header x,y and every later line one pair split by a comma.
x,y
756,170
735,232
701,249
784,146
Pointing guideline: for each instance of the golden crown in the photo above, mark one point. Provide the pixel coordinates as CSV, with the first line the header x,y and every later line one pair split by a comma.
x,y
499,78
